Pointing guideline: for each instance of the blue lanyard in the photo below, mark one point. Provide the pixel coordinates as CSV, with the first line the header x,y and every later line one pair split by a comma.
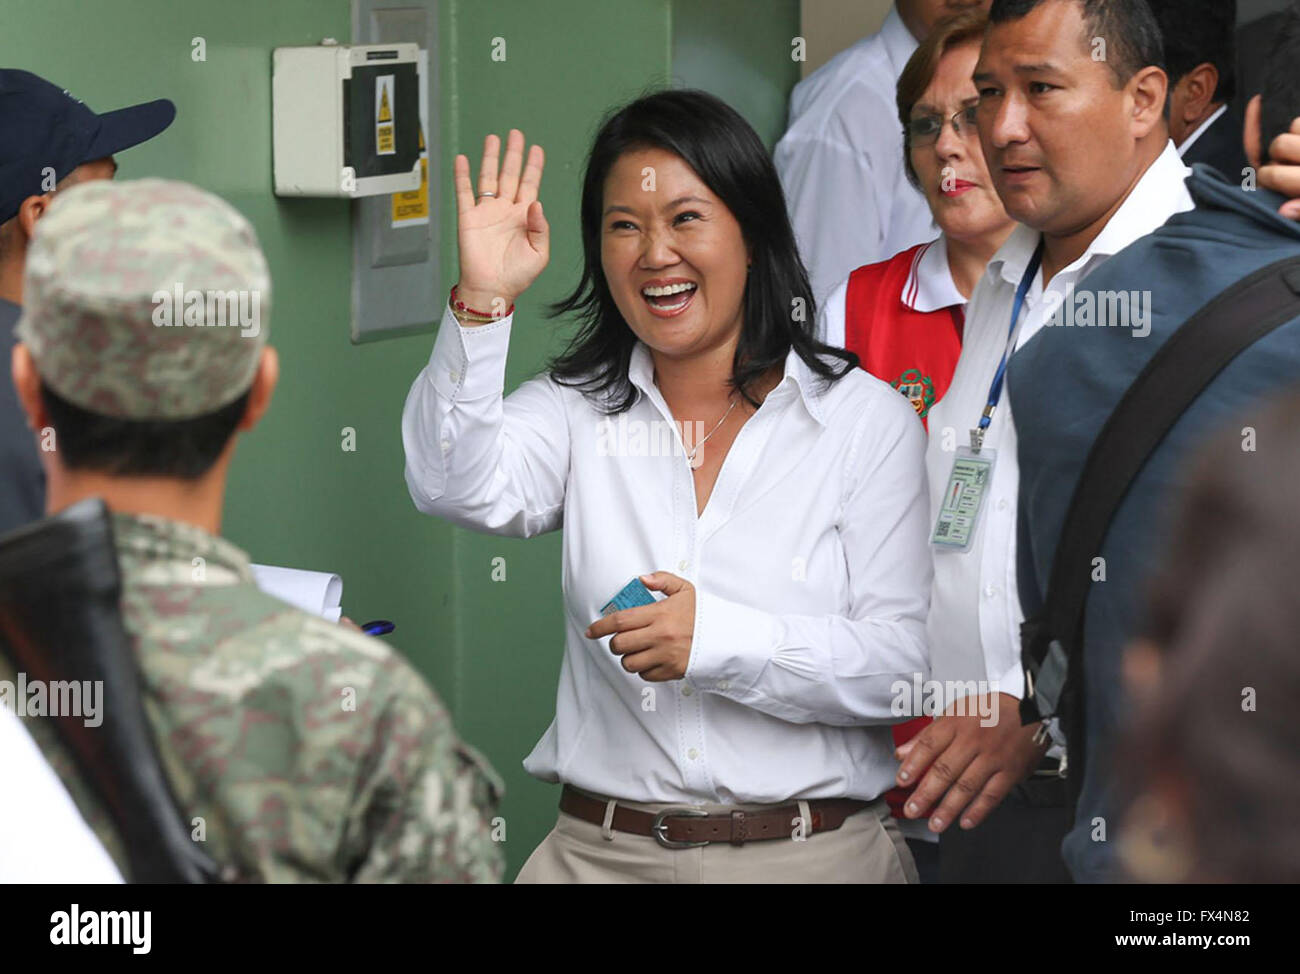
x,y
995,390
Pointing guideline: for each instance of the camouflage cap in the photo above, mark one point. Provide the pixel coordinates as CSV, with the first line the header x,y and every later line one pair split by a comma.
x,y
145,300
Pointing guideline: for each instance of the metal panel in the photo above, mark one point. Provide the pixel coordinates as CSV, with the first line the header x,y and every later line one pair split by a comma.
x,y
395,284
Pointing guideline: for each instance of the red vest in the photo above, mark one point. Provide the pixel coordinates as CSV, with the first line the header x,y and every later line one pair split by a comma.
x,y
916,353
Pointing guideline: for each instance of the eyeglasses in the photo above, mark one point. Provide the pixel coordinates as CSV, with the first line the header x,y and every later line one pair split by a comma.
x,y
926,130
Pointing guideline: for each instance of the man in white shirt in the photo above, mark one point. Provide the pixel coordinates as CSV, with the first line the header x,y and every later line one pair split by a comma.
x,y
43,838
841,159
1079,150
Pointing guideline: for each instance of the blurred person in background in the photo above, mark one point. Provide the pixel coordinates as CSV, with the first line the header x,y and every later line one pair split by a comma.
x,y
1211,760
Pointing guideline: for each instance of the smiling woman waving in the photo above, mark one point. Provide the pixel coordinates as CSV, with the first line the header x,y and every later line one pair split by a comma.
x,y
695,441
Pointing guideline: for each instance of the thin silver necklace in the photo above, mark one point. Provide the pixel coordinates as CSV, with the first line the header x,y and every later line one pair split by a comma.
x,y
690,457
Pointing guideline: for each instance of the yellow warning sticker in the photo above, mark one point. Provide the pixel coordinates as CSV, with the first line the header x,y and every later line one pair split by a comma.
x,y
411,208
385,132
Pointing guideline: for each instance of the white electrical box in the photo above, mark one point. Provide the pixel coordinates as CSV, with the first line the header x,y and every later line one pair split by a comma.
x,y
346,119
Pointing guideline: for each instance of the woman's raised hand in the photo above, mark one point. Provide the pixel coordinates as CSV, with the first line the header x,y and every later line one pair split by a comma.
x,y
502,235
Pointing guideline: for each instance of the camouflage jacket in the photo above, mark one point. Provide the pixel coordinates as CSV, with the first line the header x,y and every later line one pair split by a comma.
x,y
298,750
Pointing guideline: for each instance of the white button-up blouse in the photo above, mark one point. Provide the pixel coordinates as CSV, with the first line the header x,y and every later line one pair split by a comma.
x,y
810,563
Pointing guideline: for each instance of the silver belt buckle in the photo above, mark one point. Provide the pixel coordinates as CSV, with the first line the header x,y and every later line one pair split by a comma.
x,y
660,830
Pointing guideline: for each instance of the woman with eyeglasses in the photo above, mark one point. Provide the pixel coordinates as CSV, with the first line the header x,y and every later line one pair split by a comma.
x,y
904,316
694,441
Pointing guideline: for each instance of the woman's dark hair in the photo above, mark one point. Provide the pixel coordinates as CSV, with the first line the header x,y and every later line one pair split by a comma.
x,y
1221,720
727,154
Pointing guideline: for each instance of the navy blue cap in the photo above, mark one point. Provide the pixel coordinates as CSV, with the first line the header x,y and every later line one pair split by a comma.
x,y
42,127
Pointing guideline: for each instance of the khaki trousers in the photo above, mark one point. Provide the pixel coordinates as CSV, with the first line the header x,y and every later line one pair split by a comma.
x,y
867,848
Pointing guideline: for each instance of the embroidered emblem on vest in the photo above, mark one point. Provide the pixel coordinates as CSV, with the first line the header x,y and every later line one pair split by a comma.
x,y
918,389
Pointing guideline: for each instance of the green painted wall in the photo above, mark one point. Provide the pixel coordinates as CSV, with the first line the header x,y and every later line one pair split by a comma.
x,y
740,51
492,648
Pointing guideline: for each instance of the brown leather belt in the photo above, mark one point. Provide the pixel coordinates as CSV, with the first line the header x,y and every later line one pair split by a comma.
x,y
686,827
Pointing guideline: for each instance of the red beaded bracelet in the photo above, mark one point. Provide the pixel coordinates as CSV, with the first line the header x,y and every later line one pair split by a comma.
x,y
460,305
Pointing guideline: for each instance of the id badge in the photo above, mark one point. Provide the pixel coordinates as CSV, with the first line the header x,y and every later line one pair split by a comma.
x,y
963,499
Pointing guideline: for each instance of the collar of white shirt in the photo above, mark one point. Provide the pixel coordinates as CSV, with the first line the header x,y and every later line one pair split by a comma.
x,y
929,285
1201,130
1161,191
798,380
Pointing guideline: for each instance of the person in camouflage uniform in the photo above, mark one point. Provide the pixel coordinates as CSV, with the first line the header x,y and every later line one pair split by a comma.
x,y
298,749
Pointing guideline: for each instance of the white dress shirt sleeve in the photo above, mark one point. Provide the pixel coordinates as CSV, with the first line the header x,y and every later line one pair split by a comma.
x,y
840,669
482,460
1012,681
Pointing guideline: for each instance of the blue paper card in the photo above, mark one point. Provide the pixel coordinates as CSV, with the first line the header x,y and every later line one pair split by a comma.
x,y
632,594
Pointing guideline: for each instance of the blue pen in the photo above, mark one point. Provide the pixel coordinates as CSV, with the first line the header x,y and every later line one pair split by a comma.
x,y
378,627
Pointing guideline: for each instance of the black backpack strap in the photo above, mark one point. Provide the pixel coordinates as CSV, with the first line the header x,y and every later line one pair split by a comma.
x,y
1179,372
60,620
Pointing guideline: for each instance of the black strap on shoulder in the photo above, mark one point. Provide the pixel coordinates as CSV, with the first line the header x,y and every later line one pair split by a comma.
x,y
1188,361
60,622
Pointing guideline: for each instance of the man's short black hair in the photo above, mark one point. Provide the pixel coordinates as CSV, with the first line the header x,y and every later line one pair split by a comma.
x,y
1128,27
1281,91
1200,32
184,449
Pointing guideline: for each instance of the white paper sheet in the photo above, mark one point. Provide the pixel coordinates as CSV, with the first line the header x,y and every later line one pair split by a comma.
x,y
320,593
